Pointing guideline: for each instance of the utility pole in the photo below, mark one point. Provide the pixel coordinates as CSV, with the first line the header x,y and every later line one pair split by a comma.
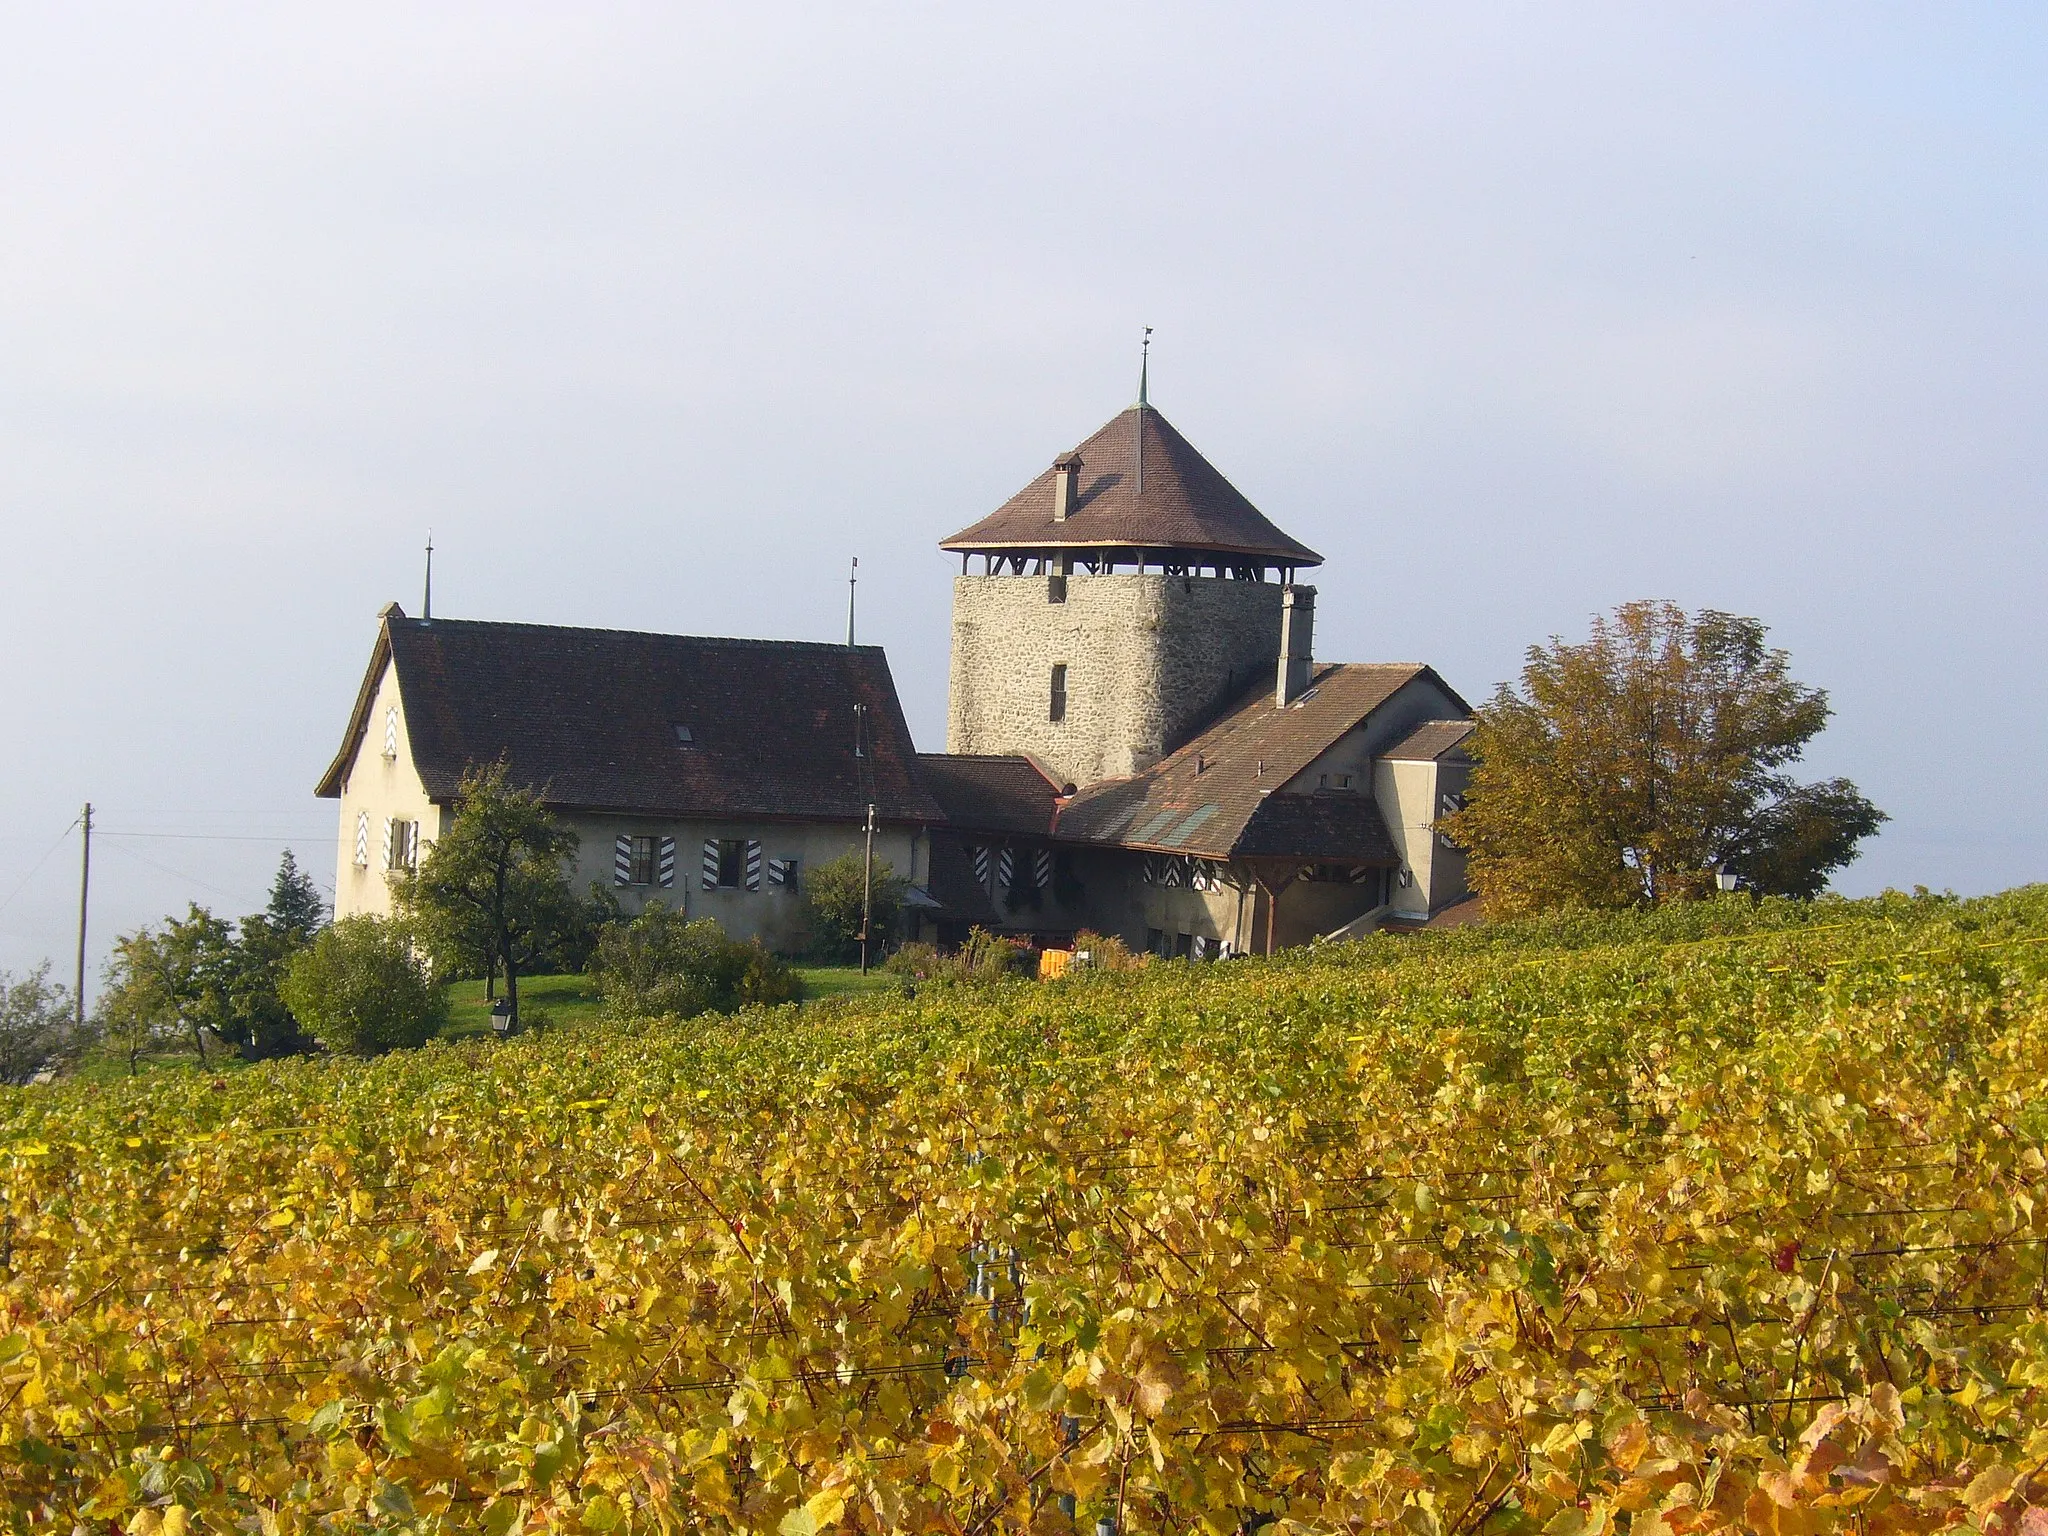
x,y
84,886
852,576
867,891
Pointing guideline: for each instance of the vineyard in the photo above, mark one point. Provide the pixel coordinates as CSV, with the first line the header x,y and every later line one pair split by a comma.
x,y
1725,1217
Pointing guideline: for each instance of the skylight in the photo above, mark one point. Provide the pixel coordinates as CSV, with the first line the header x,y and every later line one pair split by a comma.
x,y
684,738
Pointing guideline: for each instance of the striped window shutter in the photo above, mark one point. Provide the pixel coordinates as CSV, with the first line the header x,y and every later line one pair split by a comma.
x,y
753,865
781,873
710,867
1006,869
390,830
391,732
1041,869
1172,873
362,839
668,861
979,855
622,859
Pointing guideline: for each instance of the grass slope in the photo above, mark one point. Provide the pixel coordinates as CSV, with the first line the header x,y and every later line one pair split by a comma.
x,y
1721,1218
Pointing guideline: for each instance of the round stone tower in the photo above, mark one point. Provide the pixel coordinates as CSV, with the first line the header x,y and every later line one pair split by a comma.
x,y
1123,599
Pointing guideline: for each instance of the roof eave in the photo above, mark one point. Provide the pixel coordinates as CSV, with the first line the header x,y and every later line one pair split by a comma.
x,y
329,787
959,544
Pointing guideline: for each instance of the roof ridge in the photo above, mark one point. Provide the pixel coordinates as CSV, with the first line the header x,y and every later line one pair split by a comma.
x,y
642,634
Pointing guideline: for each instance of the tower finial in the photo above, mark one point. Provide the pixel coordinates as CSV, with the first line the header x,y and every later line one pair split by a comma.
x,y
1144,363
427,598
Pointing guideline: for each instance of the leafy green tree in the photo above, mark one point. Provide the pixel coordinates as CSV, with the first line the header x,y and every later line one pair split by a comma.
x,y
1626,769
176,979
832,907
360,989
663,965
36,1030
493,888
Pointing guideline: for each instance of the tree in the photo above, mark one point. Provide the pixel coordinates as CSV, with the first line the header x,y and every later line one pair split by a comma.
x,y
177,978
35,1025
832,893
662,965
493,888
1625,770
360,988
295,904
257,1022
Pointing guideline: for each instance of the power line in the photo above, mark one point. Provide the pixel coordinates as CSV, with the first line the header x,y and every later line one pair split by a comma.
x,y
36,868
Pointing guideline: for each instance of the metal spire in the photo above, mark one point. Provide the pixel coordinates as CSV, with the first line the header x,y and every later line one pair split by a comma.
x,y
427,601
1138,417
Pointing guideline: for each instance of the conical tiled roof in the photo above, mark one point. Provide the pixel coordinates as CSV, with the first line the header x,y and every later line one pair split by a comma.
x,y
1186,504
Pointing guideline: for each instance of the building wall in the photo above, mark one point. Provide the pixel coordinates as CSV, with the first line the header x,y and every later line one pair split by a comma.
x,y
1150,660
385,786
772,914
380,786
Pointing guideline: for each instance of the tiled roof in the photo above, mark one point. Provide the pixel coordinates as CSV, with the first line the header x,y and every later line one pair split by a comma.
x,y
1186,503
1210,797
590,717
990,794
1430,740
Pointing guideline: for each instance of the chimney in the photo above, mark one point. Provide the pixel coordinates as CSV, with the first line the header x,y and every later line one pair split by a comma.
x,y
1297,642
1066,479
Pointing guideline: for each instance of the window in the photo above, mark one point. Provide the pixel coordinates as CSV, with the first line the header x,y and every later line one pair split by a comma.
x,y
1058,710
402,850
640,868
732,863
1155,942
1184,946
782,873
685,737
1333,781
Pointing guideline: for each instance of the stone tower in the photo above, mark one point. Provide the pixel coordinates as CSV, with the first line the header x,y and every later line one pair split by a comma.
x,y
1124,597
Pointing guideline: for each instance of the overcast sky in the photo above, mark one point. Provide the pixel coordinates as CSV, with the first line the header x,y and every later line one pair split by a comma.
x,y
656,315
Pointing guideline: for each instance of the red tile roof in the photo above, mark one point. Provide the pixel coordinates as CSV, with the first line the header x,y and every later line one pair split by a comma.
x,y
589,717
1431,740
1186,504
989,793
1222,793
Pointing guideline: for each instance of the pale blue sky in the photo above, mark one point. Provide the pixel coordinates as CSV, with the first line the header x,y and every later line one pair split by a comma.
x,y
657,314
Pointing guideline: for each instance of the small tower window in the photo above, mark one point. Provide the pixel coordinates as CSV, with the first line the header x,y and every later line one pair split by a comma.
x,y
1057,709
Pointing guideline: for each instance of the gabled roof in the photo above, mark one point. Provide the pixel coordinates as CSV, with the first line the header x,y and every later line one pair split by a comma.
x,y
1186,503
589,717
1431,740
990,793
1224,793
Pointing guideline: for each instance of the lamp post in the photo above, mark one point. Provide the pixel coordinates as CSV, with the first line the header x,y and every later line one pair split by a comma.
x,y
867,890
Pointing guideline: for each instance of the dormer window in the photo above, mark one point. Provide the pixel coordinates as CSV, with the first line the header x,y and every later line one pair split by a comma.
x,y
685,738
1333,781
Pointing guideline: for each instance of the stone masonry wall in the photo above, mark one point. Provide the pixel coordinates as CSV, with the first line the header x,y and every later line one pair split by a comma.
x,y
1150,660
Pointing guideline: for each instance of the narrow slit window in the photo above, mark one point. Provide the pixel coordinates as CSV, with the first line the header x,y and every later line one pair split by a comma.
x,y
1057,709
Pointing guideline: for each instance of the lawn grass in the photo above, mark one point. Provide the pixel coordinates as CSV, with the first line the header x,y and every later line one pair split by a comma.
x,y
564,999
572,999
823,981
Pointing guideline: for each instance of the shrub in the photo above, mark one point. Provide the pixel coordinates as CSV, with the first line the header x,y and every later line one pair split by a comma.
x,y
360,989
832,907
664,965
984,957
1107,952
